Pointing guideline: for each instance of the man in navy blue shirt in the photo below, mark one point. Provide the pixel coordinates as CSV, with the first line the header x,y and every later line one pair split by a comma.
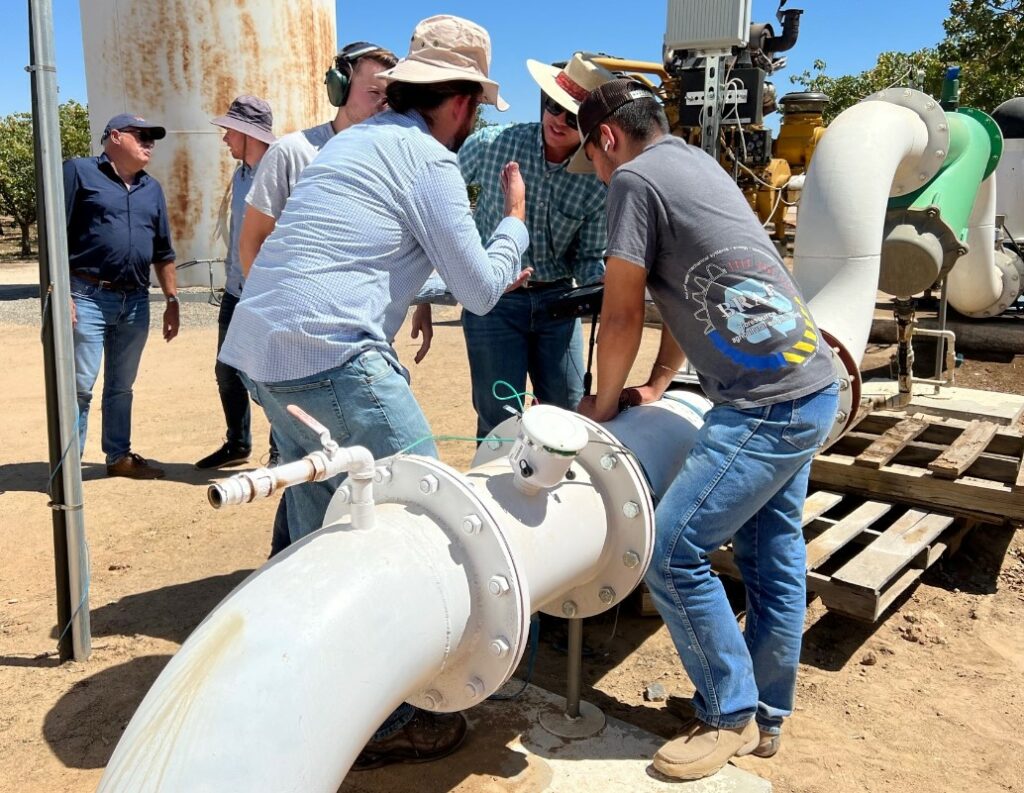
x,y
117,228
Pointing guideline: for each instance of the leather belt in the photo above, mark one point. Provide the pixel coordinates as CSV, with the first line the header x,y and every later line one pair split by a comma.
x,y
114,286
540,286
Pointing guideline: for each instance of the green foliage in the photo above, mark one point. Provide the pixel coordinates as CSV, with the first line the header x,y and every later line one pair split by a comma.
x,y
983,37
17,162
921,69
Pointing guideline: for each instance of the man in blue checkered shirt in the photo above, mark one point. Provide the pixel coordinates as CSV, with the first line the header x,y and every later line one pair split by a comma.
x,y
566,221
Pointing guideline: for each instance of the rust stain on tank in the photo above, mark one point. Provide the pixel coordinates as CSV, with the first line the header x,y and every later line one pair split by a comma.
x,y
182,209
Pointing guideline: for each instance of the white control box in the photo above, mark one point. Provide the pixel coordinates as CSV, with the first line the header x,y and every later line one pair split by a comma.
x,y
707,25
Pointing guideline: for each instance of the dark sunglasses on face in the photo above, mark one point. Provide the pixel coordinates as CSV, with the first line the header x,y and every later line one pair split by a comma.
x,y
555,109
142,135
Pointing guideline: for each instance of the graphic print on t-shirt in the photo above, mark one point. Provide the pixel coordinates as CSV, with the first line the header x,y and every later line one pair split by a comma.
x,y
751,309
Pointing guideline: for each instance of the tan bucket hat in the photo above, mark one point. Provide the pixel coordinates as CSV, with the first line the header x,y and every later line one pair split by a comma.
x,y
570,85
446,48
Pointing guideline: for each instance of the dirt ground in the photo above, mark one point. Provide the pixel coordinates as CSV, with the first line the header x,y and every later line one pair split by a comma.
x,y
929,699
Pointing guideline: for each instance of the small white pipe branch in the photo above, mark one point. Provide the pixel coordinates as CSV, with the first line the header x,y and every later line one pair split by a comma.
x,y
842,215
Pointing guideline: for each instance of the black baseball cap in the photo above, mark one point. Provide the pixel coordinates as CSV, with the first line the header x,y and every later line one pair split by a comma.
x,y
132,121
606,99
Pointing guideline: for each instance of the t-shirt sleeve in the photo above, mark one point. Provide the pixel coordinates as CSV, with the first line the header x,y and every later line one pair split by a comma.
x,y
272,182
632,220
162,248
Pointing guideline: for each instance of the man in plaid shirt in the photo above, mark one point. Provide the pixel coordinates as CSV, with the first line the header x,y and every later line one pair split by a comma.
x,y
566,221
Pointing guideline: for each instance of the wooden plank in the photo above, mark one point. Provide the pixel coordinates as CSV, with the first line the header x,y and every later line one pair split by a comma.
x,y
890,554
822,547
945,431
891,442
1018,483
989,501
997,467
964,450
818,503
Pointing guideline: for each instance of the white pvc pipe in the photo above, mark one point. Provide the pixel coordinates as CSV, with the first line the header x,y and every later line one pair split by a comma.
x,y
285,681
842,215
979,285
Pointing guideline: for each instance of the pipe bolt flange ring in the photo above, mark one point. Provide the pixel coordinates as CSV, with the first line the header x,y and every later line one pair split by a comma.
x,y
916,171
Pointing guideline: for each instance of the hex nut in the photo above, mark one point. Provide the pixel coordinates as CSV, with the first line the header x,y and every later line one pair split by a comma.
x,y
606,595
475,688
429,485
608,462
569,609
498,585
382,475
500,647
631,559
494,444
471,524
630,509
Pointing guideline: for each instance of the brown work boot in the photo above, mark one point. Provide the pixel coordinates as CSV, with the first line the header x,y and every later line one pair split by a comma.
x,y
702,750
134,466
429,736
682,709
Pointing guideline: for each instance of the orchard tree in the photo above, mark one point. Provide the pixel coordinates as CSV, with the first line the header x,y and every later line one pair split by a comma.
x,y
17,162
985,38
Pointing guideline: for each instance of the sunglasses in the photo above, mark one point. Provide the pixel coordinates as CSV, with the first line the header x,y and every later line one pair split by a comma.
x,y
555,109
142,135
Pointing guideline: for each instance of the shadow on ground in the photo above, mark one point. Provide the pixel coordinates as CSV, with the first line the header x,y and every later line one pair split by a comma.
x,y
34,477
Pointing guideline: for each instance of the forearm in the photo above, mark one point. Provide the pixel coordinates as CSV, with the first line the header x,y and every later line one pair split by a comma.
x,y
668,363
167,277
256,227
618,344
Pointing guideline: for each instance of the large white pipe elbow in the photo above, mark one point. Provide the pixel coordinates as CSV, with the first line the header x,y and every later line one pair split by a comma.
x,y
836,260
984,282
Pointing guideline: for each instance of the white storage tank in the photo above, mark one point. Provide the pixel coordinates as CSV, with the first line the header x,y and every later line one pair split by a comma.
x,y
1010,173
179,63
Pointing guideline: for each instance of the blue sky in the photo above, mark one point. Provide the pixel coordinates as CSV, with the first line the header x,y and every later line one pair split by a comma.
x,y
847,35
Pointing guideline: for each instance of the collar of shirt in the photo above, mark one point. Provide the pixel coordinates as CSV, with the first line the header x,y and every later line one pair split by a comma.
x,y
107,167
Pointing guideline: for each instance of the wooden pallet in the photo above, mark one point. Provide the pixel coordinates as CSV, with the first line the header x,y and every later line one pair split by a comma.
x,y
863,554
968,467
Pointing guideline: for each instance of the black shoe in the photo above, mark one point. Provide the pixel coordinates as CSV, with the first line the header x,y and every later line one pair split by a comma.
x,y
429,736
225,455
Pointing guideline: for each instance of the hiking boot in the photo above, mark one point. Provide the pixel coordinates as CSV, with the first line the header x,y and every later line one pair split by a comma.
x,y
767,745
682,709
428,736
134,466
703,750
228,454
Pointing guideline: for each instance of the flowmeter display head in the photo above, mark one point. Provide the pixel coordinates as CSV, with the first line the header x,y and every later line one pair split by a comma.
x,y
549,440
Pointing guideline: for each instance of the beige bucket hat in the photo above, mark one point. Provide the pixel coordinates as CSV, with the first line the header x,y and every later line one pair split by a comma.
x,y
446,48
569,85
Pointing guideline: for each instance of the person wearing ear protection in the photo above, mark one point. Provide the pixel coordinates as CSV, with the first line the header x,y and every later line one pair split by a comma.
x,y
566,220
354,87
248,133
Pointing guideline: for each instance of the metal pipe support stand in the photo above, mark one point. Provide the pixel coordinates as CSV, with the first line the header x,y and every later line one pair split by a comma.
x,y
580,719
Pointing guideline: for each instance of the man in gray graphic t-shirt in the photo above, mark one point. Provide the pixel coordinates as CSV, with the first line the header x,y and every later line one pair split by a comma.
x,y
679,226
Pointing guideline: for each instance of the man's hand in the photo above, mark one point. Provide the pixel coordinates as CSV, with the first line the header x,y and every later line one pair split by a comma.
x,y
514,188
74,313
638,395
422,322
588,407
171,320
522,278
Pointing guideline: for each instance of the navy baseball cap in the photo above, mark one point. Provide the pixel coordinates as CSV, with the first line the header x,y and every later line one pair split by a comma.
x,y
130,120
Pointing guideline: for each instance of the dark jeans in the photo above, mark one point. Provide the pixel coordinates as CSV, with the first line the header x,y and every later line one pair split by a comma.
x,y
234,396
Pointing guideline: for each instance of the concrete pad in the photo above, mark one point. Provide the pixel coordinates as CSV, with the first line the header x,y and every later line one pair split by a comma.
x,y
999,408
508,751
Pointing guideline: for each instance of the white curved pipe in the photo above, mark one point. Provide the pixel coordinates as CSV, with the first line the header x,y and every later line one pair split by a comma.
x,y
285,681
984,282
842,215
282,685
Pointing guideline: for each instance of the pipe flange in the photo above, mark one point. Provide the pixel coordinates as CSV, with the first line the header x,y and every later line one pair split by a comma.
x,y
494,641
995,137
913,174
1010,274
620,481
848,375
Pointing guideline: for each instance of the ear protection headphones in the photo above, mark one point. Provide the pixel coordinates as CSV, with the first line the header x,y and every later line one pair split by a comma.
x,y
339,78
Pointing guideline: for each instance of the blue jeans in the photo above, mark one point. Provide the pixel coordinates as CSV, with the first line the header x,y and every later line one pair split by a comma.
x,y
364,402
744,480
515,339
234,396
112,327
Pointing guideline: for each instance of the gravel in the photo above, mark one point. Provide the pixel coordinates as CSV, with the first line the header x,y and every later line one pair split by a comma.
x,y
19,305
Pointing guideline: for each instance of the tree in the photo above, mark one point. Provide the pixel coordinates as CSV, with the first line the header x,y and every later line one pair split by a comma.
x,y
17,162
921,69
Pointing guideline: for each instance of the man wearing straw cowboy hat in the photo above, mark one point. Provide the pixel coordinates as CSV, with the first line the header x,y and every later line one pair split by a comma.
x,y
381,207
566,219
248,133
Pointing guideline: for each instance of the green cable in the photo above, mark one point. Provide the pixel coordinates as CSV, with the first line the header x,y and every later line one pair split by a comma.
x,y
513,394
426,438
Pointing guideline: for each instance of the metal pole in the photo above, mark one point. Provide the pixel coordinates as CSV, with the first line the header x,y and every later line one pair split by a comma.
x,y
70,554
940,342
574,675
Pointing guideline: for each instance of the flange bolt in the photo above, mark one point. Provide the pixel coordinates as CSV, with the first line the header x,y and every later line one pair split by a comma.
x,y
630,509
433,699
569,609
429,485
471,524
500,647
631,559
498,585
475,688
606,595
608,462
344,495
